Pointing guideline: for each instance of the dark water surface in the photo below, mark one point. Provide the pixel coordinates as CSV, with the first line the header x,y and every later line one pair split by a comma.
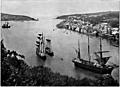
x,y
22,36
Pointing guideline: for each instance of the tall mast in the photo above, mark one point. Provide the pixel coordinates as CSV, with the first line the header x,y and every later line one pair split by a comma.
x,y
89,46
89,49
43,44
79,54
39,46
100,48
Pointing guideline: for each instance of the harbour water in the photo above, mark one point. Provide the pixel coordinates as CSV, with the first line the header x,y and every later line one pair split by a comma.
x,y
22,36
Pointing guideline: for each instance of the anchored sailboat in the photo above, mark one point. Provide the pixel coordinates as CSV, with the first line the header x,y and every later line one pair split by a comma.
x,y
6,25
43,47
40,50
98,67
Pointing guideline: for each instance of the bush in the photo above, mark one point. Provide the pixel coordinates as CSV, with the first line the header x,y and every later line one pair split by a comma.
x,y
17,73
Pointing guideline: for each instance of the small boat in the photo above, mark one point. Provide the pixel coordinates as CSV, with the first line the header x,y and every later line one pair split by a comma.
x,y
6,25
40,50
48,48
99,66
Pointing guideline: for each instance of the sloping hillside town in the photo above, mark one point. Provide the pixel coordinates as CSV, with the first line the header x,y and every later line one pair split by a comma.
x,y
81,25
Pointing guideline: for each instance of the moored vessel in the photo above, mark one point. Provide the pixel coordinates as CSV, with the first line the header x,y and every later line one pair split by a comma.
x,y
40,50
6,25
48,48
99,66
44,48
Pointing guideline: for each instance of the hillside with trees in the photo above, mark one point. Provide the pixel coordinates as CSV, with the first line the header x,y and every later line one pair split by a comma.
x,y
111,17
10,17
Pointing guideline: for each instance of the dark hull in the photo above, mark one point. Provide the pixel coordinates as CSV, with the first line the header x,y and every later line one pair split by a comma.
x,y
42,57
5,26
48,51
50,54
93,68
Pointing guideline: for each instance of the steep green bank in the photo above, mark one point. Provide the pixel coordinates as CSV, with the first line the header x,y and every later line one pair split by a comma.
x,y
15,72
10,17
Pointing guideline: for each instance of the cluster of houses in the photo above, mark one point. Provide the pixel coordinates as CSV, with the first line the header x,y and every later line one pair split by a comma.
x,y
78,24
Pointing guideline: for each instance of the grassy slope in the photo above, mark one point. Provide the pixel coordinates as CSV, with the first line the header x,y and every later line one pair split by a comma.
x,y
10,17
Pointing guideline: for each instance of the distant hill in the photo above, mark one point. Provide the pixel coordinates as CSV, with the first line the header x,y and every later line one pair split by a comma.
x,y
10,17
108,13
111,17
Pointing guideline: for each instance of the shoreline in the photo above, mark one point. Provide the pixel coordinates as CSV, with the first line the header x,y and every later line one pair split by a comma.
x,y
11,17
82,23
15,71
111,40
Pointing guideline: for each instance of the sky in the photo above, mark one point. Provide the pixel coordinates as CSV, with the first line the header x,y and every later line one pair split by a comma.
x,y
37,8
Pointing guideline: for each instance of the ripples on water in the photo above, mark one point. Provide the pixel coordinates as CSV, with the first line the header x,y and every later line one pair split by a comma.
x,y
22,36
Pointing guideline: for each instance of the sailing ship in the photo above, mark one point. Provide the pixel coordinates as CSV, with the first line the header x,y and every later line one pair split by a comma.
x,y
40,50
99,66
6,25
43,47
